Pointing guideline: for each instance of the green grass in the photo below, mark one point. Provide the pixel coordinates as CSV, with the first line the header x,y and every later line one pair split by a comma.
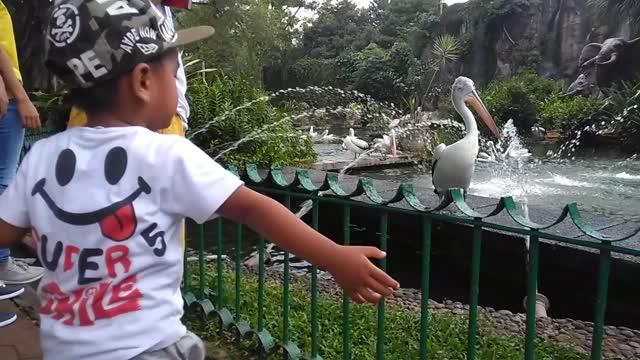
x,y
447,333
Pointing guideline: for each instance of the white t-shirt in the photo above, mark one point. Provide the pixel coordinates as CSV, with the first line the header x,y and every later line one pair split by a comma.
x,y
106,206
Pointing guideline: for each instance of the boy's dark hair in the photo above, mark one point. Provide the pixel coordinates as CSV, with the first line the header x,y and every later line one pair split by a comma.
x,y
104,95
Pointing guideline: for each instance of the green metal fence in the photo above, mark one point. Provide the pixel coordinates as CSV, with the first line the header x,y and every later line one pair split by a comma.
x,y
275,184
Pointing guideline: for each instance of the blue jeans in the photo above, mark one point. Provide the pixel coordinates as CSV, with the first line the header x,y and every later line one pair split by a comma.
x,y
11,139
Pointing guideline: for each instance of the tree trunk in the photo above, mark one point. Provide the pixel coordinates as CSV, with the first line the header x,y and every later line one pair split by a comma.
x,y
29,19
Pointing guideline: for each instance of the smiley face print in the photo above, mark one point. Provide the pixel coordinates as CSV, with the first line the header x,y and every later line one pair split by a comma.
x,y
117,221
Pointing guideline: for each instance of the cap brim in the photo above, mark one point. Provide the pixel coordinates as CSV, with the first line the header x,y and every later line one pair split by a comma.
x,y
191,35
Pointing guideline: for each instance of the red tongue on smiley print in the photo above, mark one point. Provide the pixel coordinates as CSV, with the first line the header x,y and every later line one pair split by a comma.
x,y
120,225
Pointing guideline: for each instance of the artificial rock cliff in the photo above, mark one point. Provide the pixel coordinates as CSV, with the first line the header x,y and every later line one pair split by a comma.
x,y
549,35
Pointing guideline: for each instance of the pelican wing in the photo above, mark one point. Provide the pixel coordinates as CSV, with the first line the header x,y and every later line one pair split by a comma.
x,y
359,143
435,156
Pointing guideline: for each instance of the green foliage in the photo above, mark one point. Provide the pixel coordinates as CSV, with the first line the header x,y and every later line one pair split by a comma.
x,y
249,33
613,11
340,27
490,10
213,102
52,108
447,333
570,113
622,105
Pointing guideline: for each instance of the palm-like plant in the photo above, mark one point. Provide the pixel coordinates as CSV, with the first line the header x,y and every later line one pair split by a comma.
x,y
446,49
615,10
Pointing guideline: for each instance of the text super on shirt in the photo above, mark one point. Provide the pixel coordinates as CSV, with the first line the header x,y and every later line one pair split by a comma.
x,y
106,207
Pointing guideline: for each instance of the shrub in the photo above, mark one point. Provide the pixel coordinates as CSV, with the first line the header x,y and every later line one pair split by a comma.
x,y
570,113
220,105
622,108
511,100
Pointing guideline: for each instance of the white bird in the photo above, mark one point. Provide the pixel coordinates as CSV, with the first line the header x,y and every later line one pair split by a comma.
x,y
538,132
385,145
453,166
312,134
394,123
352,143
326,137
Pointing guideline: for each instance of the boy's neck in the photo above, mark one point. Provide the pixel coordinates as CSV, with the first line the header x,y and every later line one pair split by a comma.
x,y
110,120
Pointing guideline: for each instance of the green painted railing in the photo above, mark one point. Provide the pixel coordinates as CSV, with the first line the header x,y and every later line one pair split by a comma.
x,y
275,184
302,187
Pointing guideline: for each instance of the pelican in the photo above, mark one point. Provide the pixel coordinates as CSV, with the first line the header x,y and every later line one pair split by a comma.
x,y
352,143
326,137
387,144
538,132
453,166
312,134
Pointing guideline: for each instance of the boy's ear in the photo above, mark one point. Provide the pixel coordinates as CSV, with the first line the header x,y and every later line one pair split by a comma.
x,y
140,82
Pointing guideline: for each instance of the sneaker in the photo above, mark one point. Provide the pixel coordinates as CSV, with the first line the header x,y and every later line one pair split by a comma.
x,y
9,291
18,271
7,318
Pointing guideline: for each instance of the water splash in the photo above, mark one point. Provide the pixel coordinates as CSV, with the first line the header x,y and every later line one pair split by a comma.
x,y
315,91
509,159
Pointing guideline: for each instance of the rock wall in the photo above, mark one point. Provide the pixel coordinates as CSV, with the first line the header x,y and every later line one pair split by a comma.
x,y
550,34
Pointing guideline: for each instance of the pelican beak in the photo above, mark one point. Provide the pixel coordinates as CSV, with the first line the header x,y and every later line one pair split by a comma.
x,y
474,100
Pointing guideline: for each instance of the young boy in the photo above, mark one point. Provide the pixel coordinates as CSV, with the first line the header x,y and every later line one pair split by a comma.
x,y
179,121
102,203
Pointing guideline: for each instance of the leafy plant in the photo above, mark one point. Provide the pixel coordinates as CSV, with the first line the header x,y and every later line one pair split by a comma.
x,y
570,113
622,110
227,109
52,108
608,11
447,336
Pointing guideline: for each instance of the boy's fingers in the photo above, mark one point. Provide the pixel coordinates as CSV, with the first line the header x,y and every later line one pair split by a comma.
x,y
373,252
369,295
357,298
379,288
384,278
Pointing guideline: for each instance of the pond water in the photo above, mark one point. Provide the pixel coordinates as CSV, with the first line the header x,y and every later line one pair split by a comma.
x,y
604,183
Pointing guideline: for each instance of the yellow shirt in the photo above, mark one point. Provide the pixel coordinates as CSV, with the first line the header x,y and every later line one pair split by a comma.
x,y
7,40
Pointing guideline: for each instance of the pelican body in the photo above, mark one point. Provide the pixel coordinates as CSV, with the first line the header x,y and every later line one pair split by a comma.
x,y
352,143
453,165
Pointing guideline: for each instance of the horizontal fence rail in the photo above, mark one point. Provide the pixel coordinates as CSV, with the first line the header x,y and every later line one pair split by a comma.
x,y
229,317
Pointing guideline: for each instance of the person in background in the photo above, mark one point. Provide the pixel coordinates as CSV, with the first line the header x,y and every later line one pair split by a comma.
x,y
16,113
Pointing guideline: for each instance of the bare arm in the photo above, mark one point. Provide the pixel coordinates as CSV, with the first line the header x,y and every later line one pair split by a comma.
x,y
28,112
4,99
10,234
349,265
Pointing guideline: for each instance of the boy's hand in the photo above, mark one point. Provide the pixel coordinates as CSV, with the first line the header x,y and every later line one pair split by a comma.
x,y
361,280
28,114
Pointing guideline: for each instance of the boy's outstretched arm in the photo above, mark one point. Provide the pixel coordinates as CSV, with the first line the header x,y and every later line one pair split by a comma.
x,y
10,234
349,265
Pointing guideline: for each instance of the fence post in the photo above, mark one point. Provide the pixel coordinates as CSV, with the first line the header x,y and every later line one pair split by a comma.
x,y
601,302
475,289
384,221
532,294
426,268
346,340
